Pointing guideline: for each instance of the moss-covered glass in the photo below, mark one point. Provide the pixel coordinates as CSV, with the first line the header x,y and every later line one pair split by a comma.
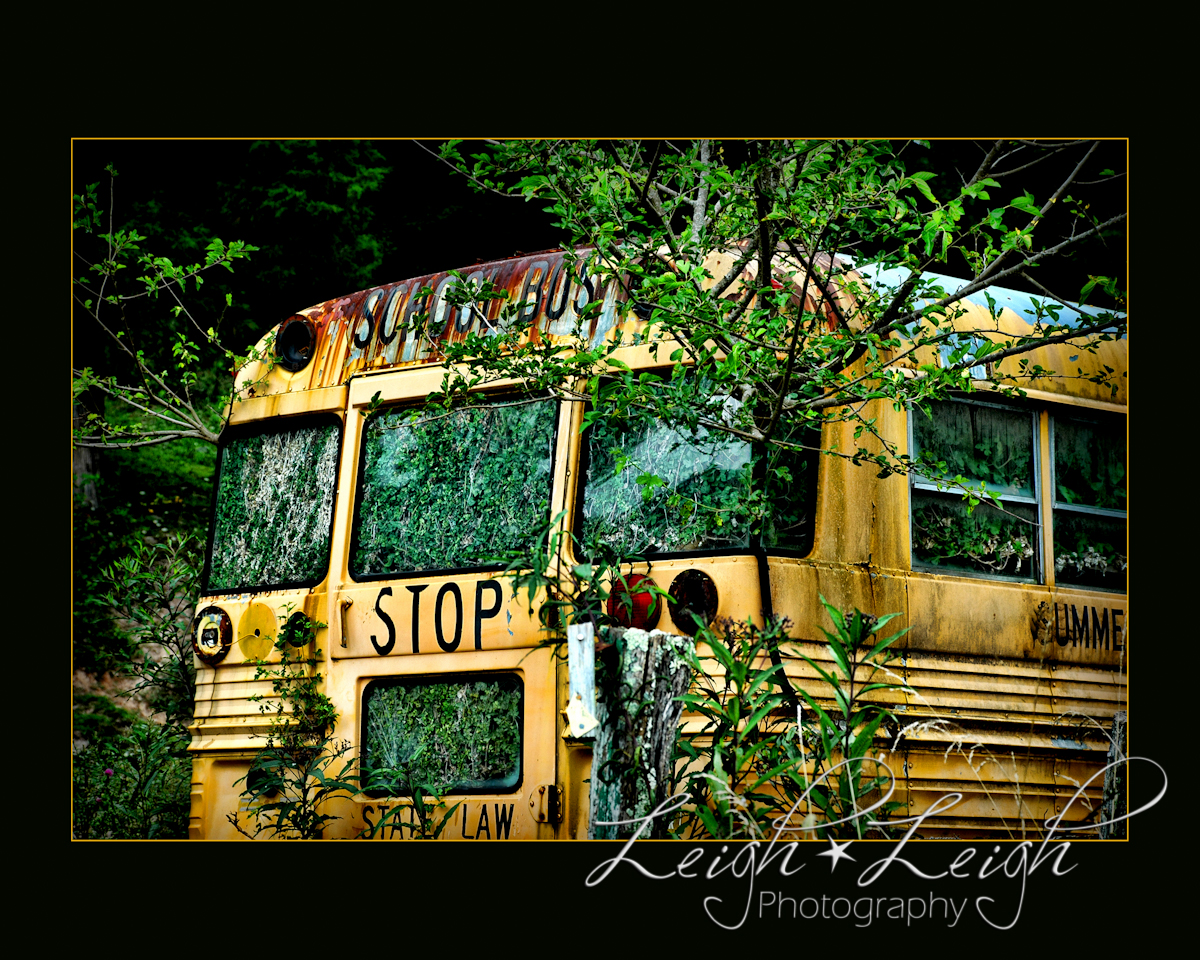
x,y
452,491
652,489
459,735
274,509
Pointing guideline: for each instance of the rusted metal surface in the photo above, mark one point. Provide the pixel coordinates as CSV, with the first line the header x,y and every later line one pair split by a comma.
x,y
409,322
382,327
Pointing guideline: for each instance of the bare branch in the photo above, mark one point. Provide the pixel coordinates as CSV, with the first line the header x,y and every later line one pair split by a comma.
x,y
471,177
1033,163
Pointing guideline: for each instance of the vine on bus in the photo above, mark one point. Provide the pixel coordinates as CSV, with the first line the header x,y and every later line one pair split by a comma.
x,y
292,782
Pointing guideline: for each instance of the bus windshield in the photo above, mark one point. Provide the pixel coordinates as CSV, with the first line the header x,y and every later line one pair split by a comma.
x,y
274,509
454,490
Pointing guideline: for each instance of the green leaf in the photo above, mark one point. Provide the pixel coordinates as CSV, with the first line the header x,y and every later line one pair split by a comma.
x,y
918,181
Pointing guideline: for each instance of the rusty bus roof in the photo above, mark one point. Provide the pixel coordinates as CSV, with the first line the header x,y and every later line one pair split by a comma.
x,y
372,330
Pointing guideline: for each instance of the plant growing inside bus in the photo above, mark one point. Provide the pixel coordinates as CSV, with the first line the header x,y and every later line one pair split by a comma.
x,y
291,782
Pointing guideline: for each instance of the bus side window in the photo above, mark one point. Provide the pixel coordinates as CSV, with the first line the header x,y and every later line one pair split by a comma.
x,y
651,488
1088,458
982,443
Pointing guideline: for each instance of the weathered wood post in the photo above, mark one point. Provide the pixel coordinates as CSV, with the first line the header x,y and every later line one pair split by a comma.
x,y
638,712
1113,805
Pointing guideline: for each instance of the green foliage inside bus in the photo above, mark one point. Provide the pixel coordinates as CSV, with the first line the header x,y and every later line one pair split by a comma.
x,y
274,509
652,489
979,444
1089,551
1089,508
453,737
985,539
452,490
1089,463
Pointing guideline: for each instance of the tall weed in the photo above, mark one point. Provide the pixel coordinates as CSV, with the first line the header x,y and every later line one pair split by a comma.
x,y
756,758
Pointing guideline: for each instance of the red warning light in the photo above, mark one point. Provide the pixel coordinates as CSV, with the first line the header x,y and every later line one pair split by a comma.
x,y
633,604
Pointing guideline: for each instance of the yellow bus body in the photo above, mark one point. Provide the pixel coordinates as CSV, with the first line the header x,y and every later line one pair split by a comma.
x,y
1013,683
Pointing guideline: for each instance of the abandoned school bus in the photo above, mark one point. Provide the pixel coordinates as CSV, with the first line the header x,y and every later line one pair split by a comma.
x,y
1014,659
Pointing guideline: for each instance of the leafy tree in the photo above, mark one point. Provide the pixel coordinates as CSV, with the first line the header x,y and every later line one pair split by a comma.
x,y
786,285
739,257
161,320
157,398
163,353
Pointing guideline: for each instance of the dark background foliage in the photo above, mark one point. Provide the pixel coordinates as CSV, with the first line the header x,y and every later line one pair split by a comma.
x,y
328,217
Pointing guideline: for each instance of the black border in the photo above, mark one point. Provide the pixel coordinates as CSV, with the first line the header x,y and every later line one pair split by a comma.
x,y
1119,887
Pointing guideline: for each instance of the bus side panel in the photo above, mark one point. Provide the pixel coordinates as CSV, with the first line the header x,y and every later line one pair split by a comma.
x,y
1001,708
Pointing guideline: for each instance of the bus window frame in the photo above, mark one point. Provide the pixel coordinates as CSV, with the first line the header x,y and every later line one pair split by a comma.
x,y
402,403
428,679
1040,560
245,429
1080,415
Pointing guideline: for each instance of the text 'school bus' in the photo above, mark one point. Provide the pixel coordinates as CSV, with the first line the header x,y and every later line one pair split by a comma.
x,y
1017,660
